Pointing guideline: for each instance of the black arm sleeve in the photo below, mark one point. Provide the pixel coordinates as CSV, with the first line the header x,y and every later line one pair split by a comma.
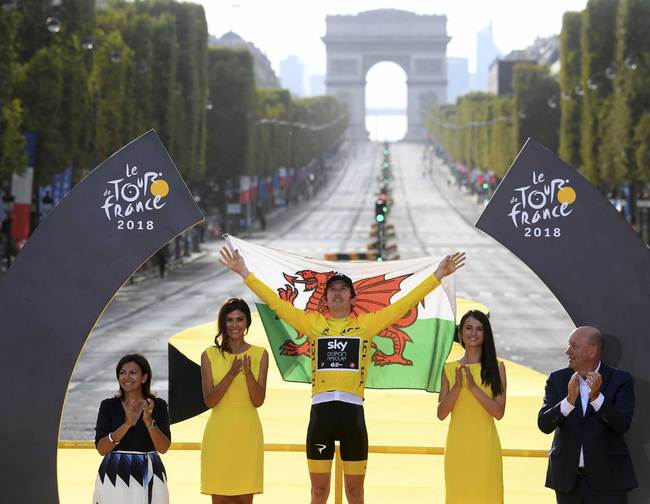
x,y
103,425
550,415
617,412
161,416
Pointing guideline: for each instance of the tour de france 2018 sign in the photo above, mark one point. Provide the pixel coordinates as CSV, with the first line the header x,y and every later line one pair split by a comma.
x,y
130,202
539,207
111,222
590,258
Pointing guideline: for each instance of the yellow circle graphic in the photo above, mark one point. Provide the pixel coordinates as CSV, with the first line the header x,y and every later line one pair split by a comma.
x,y
566,195
159,188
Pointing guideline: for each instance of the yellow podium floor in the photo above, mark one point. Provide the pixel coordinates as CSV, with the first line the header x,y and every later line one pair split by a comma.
x,y
397,420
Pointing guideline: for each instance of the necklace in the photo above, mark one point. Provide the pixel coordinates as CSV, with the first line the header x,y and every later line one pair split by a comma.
x,y
241,349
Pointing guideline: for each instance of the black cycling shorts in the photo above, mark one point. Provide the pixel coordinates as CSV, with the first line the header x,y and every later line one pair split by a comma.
x,y
337,421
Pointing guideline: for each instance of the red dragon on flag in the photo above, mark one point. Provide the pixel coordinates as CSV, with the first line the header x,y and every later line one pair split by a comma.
x,y
372,294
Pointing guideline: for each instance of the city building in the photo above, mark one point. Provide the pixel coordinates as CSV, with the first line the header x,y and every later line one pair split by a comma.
x,y
544,51
264,75
486,53
501,76
292,73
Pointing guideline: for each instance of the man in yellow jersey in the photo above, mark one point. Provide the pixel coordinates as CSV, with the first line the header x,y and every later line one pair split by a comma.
x,y
340,358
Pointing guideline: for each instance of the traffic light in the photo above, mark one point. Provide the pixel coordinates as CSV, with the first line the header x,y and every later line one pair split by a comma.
x,y
485,185
380,210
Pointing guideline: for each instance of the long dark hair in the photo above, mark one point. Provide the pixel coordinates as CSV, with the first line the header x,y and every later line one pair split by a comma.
x,y
145,368
228,307
489,366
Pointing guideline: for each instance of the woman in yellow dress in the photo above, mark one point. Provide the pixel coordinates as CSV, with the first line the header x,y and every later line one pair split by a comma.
x,y
234,386
473,390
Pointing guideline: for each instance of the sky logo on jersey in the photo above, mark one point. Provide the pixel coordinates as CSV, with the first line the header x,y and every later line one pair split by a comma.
x,y
338,353
337,345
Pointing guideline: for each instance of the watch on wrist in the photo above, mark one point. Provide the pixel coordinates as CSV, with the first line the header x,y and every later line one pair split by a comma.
x,y
152,424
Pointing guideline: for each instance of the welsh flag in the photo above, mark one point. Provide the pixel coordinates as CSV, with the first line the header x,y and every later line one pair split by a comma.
x,y
408,355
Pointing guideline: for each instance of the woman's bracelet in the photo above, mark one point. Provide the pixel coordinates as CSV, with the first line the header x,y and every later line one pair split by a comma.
x,y
110,438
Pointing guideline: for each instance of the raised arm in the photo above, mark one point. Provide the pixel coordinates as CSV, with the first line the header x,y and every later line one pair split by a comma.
x,y
387,316
158,430
296,317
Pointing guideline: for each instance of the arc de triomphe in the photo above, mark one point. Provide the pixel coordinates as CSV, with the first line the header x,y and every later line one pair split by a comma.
x,y
417,43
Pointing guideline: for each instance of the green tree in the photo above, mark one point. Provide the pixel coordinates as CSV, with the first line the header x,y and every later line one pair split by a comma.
x,y
191,91
503,146
478,131
230,121
537,100
570,81
12,156
597,42
271,130
642,141
42,106
12,142
113,60
164,68
77,107
631,96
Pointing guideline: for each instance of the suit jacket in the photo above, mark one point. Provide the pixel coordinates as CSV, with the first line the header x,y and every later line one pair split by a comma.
x,y
600,433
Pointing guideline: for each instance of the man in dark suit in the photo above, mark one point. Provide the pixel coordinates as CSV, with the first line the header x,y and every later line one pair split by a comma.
x,y
589,405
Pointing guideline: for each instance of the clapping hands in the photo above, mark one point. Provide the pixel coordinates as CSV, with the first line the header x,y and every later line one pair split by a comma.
x,y
573,389
595,381
133,410
147,411
240,365
464,373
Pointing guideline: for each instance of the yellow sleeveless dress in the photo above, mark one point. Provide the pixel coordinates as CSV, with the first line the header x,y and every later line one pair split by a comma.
x,y
232,451
473,466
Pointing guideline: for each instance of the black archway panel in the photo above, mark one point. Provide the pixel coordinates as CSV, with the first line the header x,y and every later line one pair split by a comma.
x,y
593,262
59,285
185,387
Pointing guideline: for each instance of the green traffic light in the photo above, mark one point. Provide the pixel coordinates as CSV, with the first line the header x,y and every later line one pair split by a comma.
x,y
485,185
380,259
380,218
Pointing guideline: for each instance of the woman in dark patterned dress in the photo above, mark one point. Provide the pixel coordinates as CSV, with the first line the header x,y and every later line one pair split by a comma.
x,y
132,428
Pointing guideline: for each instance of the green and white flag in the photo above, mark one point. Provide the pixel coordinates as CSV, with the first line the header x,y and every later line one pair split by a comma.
x,y
407,355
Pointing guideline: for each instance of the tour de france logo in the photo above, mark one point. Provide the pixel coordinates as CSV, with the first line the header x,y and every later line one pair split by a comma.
x,y
128,199
539,208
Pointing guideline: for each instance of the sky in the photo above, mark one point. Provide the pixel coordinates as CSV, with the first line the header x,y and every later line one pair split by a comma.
x,y
283,27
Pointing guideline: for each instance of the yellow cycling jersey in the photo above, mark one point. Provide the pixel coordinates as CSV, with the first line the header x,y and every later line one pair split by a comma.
x,y
340,348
